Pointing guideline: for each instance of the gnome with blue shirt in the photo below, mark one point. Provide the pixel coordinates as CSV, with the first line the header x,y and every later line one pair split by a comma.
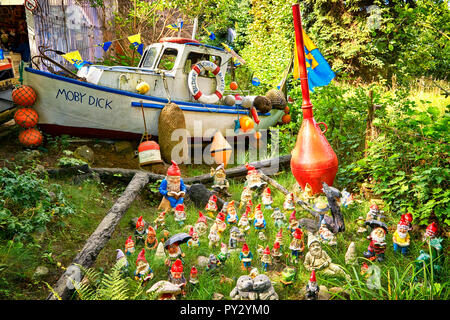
x,y
172,187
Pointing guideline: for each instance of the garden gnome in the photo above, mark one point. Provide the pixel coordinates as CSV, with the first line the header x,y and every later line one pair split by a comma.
x,y
246,257
234,235
276,255
288,203
430,232
350,255
220,223
140,233
213,262
321,207
293,222
312,289
244,224
267,198
121,260
374,213
172,187
266,259
194,241
143,271
401,238
260,222
278,218
408,217
151,242
201,226
253,179
279,237
246,197
297,245
213,236
180,214
223,254
176,275
221,184
211,206
160,221
129,246
318,259
346,199
193,277
173,253
361,224
307,195
326,236
297,191
377,245
232,217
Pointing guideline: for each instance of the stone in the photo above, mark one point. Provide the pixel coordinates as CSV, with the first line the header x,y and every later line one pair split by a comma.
x,y
79,179
41,271
165,288
323,293
200,195
123,147
84,153
340,292
217,296
350,255
202,261
28,155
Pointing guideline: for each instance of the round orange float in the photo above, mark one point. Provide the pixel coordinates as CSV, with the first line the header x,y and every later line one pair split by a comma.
x,y
24,96
233,85
31,137
246,123
26,117
286,118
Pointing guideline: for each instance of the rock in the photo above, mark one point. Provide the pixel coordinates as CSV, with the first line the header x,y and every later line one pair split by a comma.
x,y
323,293
164,287
40,271
350,255
217,296
79,179
123,147
84,153
202,261
342,294
28,155
199,195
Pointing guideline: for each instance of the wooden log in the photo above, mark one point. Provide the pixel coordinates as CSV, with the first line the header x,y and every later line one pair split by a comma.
x,y
88,254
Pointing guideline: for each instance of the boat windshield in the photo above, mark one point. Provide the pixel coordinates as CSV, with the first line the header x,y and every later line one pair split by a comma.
x,y
150,58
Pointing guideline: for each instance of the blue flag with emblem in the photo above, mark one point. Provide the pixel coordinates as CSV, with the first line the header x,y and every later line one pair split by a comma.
x,y
319,71
211,34
136,42
105,45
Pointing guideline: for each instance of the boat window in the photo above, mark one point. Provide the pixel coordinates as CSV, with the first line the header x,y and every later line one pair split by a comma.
x,y
168,58
149,58
194,57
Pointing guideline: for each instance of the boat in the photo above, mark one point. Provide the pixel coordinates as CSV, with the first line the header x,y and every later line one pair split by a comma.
x,y
103,102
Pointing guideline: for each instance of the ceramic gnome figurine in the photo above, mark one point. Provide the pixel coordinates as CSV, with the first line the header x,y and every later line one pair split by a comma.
x,y
408,217
180,214
276,255
346,199
312,289
278,217
213,263
297,245
246,257
172,187
160,255
211,206
143,271
326,236
151,242
193,276
223,254
201,226
279,237
173,253
244,224
266,259
267,198
246,197
400,238
129,246
232,217
122,261
234,238
220,223
221,184
288,203
430,232
321,207
140,233
214,237
307,195
176,275
260,222
374,213
194,241
160,221
377,245
317,259
293,222
253,179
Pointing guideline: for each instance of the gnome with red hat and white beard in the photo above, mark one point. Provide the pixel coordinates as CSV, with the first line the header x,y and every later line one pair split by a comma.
x,y
267,198
297,245
201,226
143,271
232,217
430,232
244,224
140,232
129,246
400,238
180,214
176,275
211,206
172,187
194,241
377,245
312,289
266,259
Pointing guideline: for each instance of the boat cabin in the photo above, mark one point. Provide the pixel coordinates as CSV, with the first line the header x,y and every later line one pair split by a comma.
x,y
165,66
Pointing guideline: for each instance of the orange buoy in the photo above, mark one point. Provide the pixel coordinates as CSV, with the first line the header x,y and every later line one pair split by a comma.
x,y
149,153
31,137
26,117
233,85
286,110
286,118
24,96
220,149
246,123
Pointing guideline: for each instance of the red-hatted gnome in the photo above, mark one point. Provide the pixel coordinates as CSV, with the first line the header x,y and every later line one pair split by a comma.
x,y
408,217
253,179
244,224
288,203
246,257
211,206
143,271
140,233
172,187
160,221
180,214
312,289
401,239
297,245
266,259
201,226
276,255
193,276
129,246
293,222
220,223
194,241
232,216
151,242
176,275
279,237
377,245
430,232
267,198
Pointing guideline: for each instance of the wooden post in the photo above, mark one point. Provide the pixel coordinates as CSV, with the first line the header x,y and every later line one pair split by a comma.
x,y
97,241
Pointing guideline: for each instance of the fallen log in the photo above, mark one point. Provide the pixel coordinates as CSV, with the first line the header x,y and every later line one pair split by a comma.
x,y
88,254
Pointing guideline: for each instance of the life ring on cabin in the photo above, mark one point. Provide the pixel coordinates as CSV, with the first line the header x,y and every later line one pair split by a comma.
x,y
193,85
177,40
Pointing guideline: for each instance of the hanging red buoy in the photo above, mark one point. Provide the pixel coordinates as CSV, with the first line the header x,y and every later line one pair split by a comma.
x,y
149,153
26,117
31,137
313,159
254,115
24,96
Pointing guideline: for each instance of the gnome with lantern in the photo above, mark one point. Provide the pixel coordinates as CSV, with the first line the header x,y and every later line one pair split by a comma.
x,y
172,188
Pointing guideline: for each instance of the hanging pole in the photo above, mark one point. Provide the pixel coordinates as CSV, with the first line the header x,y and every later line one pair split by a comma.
x,y
194,30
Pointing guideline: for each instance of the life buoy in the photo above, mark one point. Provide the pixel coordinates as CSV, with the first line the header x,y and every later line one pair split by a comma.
x,y
193,86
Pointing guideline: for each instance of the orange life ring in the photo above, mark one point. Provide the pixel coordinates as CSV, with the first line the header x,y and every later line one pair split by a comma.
x,y
177,40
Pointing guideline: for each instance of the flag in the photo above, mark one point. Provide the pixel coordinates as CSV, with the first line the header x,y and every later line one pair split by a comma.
x,y
105,45
175,26
211,34
74,57
136,42
1,54
319,71
255,81
233,53
236,62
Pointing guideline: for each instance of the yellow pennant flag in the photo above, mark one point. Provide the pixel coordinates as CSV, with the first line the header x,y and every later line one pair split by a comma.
x,y
136,38
309,46
73,57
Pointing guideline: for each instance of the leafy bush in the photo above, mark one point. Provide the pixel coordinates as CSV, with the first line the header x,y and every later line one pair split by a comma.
x,y
28,204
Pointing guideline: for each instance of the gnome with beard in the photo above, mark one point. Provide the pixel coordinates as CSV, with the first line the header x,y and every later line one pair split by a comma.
x,y
377,245
400,238
172,187
143,271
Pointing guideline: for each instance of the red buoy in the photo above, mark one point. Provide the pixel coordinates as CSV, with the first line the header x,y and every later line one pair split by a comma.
x,y
26,117
31,137
24,96
313,159
149,153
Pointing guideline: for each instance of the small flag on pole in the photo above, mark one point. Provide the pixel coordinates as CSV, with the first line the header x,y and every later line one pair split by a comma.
x,y
255,81
74,57
105,45
211,34
136,42
175,26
